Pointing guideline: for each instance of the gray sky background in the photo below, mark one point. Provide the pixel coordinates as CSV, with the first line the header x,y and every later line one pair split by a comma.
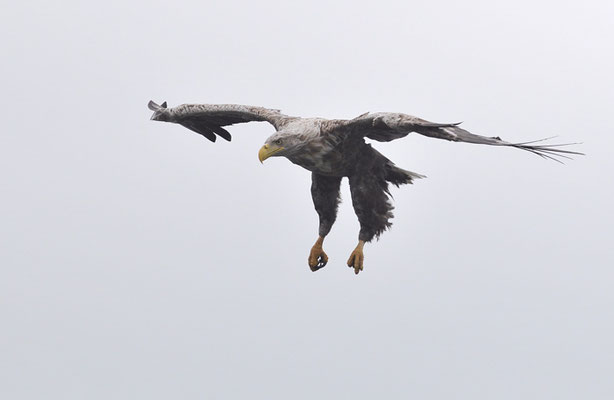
x,y
140,261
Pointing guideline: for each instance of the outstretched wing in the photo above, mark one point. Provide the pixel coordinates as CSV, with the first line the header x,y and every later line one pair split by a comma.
x,y
385,127
209,119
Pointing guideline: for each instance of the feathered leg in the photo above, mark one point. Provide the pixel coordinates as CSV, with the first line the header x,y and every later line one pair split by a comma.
x,y
373,209
325,194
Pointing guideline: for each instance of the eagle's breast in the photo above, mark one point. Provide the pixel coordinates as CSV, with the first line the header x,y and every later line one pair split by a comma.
x,y
321,156
321,151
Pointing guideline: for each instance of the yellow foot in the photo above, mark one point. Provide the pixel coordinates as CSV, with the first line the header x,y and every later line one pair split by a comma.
x,y
357,257
317,256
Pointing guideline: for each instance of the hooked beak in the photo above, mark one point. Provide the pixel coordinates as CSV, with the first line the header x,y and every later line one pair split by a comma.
x,y
267,151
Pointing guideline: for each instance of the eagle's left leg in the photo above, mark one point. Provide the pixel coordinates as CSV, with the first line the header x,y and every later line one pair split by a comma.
x,y
370,200
325,194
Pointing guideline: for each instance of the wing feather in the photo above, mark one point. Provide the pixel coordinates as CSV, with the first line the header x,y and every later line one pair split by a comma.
x,y
208,120
385,127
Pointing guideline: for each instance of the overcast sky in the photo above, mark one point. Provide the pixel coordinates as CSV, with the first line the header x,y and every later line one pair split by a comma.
x,y
140,261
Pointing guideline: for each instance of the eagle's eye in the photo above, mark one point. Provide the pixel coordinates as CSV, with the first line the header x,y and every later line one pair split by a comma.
x,y
278,142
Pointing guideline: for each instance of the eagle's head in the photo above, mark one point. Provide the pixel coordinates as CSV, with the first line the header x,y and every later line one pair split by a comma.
x,y
280,144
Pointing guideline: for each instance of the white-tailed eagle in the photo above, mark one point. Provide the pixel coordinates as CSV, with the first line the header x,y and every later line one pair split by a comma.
x,y
335,148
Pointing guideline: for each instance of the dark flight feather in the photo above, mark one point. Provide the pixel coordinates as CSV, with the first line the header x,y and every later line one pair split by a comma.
x,y
385,127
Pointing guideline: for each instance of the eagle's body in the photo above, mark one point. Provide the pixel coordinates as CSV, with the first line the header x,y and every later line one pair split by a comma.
x,y
333,149
324,153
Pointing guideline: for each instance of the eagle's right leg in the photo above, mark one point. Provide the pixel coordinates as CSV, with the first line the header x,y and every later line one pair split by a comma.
x,y
373,209
325,194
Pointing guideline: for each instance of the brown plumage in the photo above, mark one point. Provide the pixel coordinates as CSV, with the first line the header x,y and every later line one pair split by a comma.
x,y
333,149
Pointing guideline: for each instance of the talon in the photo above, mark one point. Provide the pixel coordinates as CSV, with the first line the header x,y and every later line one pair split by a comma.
x,y
357,258
317,257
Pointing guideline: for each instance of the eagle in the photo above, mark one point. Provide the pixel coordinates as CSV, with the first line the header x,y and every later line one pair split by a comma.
x,y
332,149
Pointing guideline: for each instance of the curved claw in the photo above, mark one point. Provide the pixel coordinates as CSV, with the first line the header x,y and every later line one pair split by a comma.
x,y
357,258
318,261
317,257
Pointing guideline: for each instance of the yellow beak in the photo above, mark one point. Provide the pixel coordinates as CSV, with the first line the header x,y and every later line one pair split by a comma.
x,y
267,151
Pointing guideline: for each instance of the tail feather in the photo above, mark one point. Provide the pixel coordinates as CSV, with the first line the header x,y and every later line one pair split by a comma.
x,y
399,176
